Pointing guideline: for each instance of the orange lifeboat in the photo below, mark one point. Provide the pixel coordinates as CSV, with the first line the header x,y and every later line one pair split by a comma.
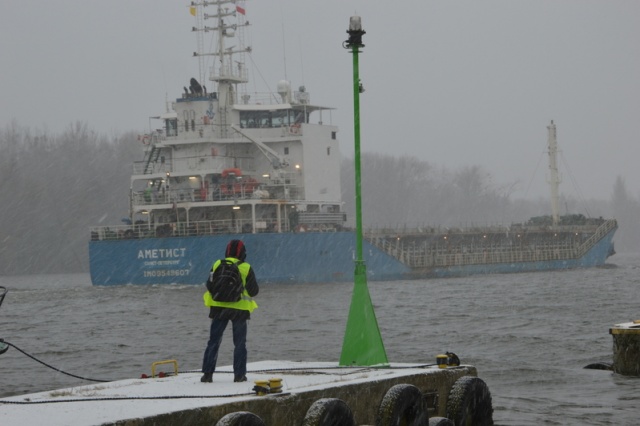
x,y
230,185
250,184
233,186
231,173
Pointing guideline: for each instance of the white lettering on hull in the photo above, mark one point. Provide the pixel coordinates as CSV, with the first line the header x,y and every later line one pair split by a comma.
x,y
162,253
161,262
167,273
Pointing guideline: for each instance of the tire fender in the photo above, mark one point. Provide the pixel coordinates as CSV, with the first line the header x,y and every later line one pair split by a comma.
x,y
440,421
599,366
240,418
403,405
329,412
470,402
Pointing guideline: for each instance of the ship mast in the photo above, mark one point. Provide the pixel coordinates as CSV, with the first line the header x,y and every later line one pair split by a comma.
x,y
554,179
223,72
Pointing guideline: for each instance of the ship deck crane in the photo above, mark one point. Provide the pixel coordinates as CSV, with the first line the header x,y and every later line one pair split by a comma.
x,y
277,162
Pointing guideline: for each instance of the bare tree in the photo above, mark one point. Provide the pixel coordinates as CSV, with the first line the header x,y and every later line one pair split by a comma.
x,y
54,187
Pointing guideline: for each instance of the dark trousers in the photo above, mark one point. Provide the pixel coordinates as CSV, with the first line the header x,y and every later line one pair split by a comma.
x,y
239,341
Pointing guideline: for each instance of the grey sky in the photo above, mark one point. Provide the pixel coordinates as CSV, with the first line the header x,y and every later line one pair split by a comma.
x,y
452,82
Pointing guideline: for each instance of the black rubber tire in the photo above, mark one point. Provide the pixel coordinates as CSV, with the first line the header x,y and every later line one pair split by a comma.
x,y
440,421
599,366
403,405
469,402
240,418
329,412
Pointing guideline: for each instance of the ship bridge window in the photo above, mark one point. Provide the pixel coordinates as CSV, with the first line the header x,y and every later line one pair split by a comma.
x,y
302,117
172,127
266,119
278,120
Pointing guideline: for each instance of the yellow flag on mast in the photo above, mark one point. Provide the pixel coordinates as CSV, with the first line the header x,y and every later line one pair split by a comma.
x,y
192,10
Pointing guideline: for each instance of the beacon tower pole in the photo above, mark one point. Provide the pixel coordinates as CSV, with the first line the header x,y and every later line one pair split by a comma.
x,y
362,343
3,346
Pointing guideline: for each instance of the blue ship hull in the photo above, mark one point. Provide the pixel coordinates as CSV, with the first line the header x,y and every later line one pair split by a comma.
x,y
285,258
276,258
596,256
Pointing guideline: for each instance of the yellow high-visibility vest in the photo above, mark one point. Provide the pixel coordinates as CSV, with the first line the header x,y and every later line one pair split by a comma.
x,y
246,302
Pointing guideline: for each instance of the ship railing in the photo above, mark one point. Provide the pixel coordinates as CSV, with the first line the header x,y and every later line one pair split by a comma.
x,y
417,230
183,229
269,98
434,258
247,191
442,256
225,226
320,222
153,167
321,218
600,233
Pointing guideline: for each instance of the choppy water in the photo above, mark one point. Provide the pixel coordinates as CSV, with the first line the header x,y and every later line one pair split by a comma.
x,y
529,335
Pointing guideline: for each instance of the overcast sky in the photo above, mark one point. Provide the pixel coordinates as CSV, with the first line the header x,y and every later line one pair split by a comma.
x,y
455,83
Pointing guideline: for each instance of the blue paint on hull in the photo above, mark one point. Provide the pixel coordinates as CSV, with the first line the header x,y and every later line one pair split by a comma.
x,y
284,258
596,256
281,258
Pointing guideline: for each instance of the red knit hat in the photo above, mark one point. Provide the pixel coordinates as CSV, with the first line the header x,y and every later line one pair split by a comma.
x,y
236,249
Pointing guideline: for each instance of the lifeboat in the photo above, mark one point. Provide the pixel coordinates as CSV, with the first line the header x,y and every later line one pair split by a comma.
x,y
231,173
245,186
250,185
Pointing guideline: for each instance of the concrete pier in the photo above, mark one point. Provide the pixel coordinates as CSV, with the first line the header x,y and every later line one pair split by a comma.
x,y
626,348
183,399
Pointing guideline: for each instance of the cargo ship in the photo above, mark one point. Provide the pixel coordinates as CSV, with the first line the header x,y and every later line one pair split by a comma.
x,y
224,163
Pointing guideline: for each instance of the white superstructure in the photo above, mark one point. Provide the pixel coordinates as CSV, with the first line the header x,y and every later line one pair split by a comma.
x,y
225,160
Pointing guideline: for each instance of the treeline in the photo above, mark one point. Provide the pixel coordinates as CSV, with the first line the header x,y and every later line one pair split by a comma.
x,y
399,191
53,188
406,190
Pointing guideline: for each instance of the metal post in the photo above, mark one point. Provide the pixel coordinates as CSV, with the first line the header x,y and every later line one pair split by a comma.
x,y
554,179
362,343
3,346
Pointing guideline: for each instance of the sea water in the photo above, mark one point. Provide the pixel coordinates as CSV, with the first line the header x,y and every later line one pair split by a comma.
x,y
529,335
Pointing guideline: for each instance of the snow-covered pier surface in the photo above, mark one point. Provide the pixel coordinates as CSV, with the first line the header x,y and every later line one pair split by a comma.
x,y
183,399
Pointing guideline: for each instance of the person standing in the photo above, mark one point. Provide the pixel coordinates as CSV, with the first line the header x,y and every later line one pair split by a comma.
x,y
237,312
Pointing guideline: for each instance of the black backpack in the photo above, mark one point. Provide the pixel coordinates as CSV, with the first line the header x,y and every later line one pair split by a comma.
x,y
225,283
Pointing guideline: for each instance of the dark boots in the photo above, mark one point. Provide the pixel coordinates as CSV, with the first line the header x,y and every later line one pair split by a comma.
x,y
208,378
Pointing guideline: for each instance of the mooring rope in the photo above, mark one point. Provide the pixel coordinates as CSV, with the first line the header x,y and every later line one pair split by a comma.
x,y
306,370
52,367
272,370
